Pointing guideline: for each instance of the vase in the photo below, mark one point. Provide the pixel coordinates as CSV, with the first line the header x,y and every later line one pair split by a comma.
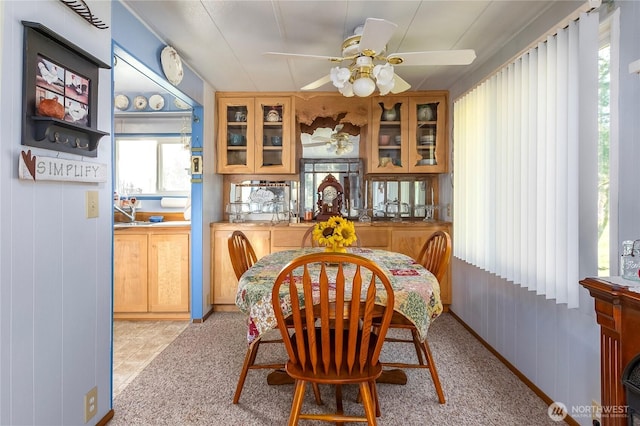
x,y
389,114
335,248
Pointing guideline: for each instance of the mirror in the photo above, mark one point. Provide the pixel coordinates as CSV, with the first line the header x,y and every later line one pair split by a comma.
x,y
152,131
136,92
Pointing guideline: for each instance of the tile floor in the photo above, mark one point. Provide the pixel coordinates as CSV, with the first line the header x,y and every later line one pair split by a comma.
x,y
136,343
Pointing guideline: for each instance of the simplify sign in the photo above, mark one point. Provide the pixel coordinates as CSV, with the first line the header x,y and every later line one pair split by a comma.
x,y
60,169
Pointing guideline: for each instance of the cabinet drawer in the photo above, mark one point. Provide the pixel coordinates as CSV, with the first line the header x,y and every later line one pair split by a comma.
x,y
287,238
372,237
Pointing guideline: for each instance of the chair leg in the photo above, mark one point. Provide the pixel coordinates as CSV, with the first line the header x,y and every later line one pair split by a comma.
x,y
417,344
316,392
296,405
434,373
374,393
249,360
368,403
339,407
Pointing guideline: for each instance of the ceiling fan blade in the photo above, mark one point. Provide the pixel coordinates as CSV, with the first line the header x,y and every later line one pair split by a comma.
x,y
435,57
301,56
375,35
399,85
319,82
314,144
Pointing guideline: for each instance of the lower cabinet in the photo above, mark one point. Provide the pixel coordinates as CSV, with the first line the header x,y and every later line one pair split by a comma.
x,y
222,270
151,273
404,237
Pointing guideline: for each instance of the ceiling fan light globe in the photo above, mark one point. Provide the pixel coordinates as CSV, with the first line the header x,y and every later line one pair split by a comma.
x,y
339,76
383,74
346,90
385,88
363,87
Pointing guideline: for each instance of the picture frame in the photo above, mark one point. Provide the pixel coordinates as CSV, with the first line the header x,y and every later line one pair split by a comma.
x,y
60,93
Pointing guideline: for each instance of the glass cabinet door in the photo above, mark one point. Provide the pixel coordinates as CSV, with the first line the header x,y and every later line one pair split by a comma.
x,y
274,141
236,136
389,135
427,135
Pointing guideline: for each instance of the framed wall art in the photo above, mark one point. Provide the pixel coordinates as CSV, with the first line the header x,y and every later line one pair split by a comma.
x,y
60,93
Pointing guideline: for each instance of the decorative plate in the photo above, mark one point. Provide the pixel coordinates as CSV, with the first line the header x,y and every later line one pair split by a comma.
x,y
156,102
140,102
121,102
180,104
171,65
261,195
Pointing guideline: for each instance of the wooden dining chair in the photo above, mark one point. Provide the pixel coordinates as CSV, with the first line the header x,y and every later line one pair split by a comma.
x,y
243,256
337,340
241,252
434,256
307,238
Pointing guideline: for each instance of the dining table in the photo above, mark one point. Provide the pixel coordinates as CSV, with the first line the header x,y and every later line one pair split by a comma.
x,y
416,290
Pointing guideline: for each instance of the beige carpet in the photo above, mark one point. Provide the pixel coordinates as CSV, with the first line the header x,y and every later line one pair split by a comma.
x,y
193,380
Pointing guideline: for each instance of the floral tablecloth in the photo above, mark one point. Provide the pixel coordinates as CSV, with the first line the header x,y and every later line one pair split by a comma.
x,y
417,292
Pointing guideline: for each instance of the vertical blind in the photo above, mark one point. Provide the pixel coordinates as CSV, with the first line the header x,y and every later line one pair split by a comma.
x,y
517,140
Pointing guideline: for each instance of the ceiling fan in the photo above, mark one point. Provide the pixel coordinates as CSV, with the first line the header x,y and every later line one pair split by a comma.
x,y
369,67
335,140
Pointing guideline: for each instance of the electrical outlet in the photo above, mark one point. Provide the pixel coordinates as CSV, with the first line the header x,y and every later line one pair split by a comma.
x,y
92,204
90,404
596,412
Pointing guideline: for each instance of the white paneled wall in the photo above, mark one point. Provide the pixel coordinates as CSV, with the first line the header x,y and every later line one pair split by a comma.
x,y
55,264
554,347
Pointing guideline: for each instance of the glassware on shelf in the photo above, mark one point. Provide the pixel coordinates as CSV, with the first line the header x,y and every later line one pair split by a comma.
x,y
278,211
237,211
429,211
364,217
395,209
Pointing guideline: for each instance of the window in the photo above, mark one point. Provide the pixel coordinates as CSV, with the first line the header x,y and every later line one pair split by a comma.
x,y
152,166
604,126
526,142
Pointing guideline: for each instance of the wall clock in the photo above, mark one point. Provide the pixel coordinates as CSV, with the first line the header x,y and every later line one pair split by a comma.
x,y
329,198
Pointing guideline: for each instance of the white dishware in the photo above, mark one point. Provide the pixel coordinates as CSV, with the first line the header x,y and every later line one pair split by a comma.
x,y
180,104
140,102
156,102
273,115
172,65
121,102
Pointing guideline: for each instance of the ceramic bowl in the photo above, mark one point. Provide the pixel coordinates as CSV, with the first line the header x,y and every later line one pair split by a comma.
x,y
237,139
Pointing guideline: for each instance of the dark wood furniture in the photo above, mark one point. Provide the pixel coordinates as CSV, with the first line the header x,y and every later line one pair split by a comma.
x,y
618,313
339,341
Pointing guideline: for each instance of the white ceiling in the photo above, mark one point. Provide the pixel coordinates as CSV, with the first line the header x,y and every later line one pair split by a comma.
x,y
223,41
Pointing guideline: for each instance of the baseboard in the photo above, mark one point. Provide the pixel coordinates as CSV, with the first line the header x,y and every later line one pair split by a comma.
x,y
207,315
106,419
569,420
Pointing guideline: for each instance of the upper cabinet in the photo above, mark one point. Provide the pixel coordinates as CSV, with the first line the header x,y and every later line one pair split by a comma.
x,y
255,135
409,133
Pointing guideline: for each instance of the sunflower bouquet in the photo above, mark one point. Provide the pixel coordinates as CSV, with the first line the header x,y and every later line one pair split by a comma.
x,y
335,234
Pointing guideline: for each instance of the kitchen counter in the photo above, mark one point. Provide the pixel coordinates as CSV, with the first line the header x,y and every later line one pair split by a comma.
x,y
139,223
375,223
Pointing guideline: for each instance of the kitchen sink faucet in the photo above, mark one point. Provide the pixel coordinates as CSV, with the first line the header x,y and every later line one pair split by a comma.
x,y
131,215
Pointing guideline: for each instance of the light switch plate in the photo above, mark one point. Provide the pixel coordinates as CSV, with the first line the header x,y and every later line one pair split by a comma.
x,y
92,204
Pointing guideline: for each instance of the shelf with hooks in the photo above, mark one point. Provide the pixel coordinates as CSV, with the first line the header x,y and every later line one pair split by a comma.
x,y
81,8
